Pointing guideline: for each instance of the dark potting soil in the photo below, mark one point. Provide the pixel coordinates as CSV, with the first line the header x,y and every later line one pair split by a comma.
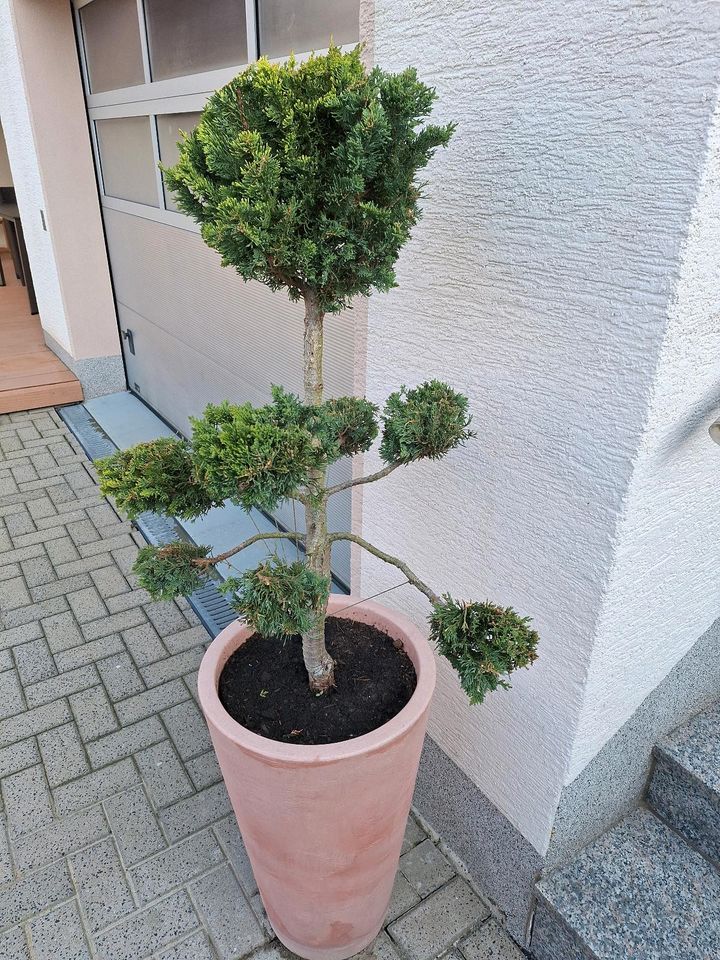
x,y
264,685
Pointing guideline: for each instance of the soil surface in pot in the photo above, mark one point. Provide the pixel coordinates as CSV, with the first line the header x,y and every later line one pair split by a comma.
x,y
264,685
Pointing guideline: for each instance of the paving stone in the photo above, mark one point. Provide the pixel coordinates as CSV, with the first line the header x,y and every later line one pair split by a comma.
x,y
16,635
33,721
163,774
38,571
63,754
6,661
146,932
62,685
14,557
187,639
12,700
258,908
95,717
18,757
128,601
6,864
177,666
204,770
18,524
187,729
62,551
144,644
89,653
59,588
83,565
403,898
102,886
175,866
59,934
166,617
13,594
196,947
95,786
62,632
33,612
28,803
82,532
60,838
126,741
382,948
490,942
39,536
40,508
103,515
134,825
125,557
438,921
87,605
13,945
106,544
152,701
414,834
34,893
109,582
187,816
227,915
231,841
115,623
425,868
34,661
120,677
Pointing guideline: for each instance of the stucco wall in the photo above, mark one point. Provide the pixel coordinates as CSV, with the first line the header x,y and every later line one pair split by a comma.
x,y
539,282
5,172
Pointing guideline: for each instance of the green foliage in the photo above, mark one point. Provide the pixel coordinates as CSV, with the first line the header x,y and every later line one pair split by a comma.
x,y
302,175
170,571
483,642
351,422
428,421
278,598
158,476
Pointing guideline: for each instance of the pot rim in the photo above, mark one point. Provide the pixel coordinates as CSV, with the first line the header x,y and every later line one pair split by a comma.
x,y
416,645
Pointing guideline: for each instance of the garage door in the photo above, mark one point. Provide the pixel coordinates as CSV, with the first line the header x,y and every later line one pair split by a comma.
x,y
193,332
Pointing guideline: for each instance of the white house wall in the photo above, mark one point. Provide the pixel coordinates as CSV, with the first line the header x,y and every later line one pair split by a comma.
x,y
539,282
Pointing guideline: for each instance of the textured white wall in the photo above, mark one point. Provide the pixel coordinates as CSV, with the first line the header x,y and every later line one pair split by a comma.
x,y
539,283
5,172
661,596
28,183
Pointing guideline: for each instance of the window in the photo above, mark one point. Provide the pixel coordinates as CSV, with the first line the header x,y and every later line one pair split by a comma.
x,y
127,159
169,126
112,44
296,26
187,37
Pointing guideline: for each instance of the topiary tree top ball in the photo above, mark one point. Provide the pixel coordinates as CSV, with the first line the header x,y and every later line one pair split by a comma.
x,y
302,175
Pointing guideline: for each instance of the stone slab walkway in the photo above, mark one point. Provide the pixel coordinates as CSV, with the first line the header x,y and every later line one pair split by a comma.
x,y
117,840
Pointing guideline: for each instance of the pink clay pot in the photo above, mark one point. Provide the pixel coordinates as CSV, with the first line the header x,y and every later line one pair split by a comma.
x,y
323,825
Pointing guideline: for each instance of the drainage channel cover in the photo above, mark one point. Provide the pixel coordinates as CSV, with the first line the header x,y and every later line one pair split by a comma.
x,y
208,603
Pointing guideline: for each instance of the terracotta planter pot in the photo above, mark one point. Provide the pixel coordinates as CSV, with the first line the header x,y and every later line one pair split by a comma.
x,y
323,825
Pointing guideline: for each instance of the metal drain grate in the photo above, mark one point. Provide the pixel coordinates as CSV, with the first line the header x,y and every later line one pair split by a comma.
x,y
208,603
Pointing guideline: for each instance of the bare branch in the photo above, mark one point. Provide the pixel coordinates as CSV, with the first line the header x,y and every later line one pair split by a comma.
x,y
369,479
393,561
205,562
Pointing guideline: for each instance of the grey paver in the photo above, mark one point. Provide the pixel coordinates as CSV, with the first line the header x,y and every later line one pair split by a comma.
x,y
144,644
414,834
187,729
86,605
115,623
425,868
18,757
6,864
34,661
82,532
60,838
228,916
95,786
152,701
175,866
38,571
28,803
12,700
93,712
89,653
33,612
146,932
59,934
109,582
163,774
62,632
231,841
35,892
33,721
403,898
63,754
438,921
13,636
187,816
42,507
126,741
186,639
13,593
102,884
6,660
490,942
120,676
13,945
166,617
59,588
64,684
134,825
126,601
62,551
176,666
196,947
204,770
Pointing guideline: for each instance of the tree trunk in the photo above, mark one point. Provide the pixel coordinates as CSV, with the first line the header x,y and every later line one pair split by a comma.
x,y
320,665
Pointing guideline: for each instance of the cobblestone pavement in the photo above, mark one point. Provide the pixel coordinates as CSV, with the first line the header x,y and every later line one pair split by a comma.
x,y
117,840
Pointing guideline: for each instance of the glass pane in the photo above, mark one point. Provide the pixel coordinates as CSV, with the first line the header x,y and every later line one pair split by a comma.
x,y
169,126
127,160
112,44
186,36
298,26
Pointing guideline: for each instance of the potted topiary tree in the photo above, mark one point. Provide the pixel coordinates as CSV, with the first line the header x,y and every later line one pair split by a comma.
x,y
302,176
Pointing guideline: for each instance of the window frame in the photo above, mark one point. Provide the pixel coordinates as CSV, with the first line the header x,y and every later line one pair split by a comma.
x,y
153,98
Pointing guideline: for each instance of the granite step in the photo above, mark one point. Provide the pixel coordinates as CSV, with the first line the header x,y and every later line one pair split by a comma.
x,y
685,784
639,892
